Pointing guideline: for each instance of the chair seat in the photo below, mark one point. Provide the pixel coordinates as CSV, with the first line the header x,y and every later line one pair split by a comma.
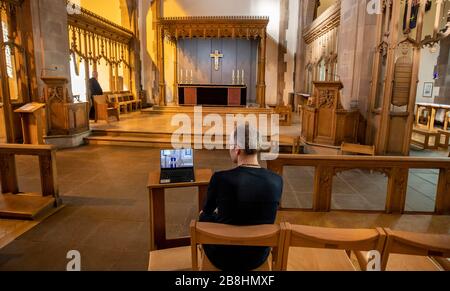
x,y
398,262
176,259
306,259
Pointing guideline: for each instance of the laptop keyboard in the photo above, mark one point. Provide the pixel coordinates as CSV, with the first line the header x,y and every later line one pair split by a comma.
x,y
178,176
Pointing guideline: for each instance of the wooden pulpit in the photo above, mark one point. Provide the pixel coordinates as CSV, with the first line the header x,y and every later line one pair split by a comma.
x,y
32,116
64,116
324,119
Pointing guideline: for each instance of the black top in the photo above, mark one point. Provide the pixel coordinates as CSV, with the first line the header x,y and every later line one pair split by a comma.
x,y
243,196
95,87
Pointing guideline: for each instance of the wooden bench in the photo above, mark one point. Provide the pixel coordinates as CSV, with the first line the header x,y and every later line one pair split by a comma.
x,y
425,139
13,203
221,234
357,149
309,248
104,109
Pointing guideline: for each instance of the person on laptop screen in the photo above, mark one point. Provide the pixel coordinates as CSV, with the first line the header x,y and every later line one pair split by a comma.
x,y
246,195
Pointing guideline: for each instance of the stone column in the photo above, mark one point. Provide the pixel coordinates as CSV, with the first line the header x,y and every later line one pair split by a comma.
x,y
50,41
357,41
306,17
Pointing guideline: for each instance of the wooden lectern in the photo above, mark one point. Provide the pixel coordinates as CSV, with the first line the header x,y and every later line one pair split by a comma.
x,y
32,116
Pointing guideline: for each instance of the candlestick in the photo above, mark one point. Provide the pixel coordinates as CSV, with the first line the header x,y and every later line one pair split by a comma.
x,y
238,76
243,78
234,77
181,77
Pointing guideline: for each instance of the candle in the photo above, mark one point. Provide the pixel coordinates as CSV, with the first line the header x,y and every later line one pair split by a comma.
x,y
181,77
234,77
243,78
238,76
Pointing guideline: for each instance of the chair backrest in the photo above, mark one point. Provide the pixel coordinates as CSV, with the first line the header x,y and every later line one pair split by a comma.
x,y
357,149
100,99
332,238
418,244
222,234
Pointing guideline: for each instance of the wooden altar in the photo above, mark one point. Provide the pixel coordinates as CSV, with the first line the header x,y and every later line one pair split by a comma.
x,y
212,95
324,120
243,27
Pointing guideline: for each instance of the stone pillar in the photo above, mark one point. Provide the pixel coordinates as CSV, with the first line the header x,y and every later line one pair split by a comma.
x,y
443,69
306,17
357,41
51,43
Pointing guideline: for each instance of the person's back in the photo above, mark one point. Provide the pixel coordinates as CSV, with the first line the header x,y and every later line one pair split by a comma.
x,y
246,195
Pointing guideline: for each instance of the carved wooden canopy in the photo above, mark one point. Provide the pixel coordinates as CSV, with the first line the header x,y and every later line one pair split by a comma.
x,y
327,21
214,27
89,21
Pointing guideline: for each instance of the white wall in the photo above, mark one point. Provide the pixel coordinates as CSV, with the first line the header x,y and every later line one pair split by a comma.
x,y
270,8
428,60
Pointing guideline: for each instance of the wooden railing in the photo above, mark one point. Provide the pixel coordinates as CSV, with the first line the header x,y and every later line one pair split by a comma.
x,y
395,168
47,166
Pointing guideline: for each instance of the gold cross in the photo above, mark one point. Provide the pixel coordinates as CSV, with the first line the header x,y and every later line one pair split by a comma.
x,y
216,55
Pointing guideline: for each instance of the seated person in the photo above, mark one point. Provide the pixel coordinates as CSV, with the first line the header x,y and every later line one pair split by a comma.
x,y
246,195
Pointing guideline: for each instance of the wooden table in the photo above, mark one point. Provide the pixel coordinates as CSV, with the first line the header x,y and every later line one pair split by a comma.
x,y
157,213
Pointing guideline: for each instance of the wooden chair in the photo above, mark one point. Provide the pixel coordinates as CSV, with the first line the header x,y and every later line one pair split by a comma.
x,y
309,248
285,113
357,149
291,141
221,234
103,109
408,251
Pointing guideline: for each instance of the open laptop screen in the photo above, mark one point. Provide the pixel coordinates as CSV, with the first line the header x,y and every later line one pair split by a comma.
x,y
175,159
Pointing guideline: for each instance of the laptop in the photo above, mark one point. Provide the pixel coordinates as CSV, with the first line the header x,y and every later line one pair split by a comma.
x,y
177,166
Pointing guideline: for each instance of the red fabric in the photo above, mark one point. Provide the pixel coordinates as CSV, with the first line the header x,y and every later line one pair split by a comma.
x,y
234,96
190,96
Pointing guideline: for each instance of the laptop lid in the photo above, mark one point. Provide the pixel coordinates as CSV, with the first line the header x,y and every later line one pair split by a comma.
x,y
177,159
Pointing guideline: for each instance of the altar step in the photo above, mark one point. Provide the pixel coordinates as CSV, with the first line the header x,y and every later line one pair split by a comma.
x,y
207,110
160,140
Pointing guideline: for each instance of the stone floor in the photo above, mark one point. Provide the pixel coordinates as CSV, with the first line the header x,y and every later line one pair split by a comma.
x,y
105,218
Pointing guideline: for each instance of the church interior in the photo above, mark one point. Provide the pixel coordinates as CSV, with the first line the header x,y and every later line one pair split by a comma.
x,y
354,96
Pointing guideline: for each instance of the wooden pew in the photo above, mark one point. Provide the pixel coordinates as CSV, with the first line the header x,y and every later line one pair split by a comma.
x,y
425,139
309,248
104,109
13,203
220,234
444,138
